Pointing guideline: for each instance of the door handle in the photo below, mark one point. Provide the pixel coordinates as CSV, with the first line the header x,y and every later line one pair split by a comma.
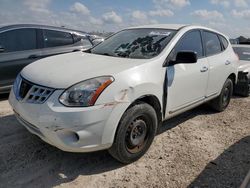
x,y
204,69
33,56
227,62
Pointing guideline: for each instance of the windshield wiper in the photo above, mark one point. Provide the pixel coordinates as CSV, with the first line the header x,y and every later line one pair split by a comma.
x,y
87,51
90,51
106,54
123,54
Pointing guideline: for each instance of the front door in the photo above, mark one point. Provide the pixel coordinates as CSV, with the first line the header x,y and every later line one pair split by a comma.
x,y
187,83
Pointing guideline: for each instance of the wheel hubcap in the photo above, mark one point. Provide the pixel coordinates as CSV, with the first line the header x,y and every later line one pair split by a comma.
x,y
136,136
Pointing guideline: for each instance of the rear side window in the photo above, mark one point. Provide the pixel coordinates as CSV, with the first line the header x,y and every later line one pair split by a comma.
x,y
18,40
56,38
212,43
190,42
224,42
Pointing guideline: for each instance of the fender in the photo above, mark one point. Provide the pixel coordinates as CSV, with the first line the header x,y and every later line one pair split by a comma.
x,y
122,102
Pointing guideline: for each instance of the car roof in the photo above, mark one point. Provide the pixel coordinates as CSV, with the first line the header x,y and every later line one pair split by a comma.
x,y
14,26
241,45
177,27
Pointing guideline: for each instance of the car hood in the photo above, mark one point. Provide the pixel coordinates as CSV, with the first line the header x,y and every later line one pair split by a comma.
x,y
244,66
63,71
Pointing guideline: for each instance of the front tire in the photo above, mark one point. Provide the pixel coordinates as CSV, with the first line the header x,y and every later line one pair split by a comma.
x,y
222,101
135,133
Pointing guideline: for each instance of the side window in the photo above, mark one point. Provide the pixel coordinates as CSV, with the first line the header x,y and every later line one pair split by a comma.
x,y
56,38
190,42
212,43
224,42
18,40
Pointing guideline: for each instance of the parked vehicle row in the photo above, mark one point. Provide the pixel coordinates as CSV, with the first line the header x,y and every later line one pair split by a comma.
x,y
115,95
23,44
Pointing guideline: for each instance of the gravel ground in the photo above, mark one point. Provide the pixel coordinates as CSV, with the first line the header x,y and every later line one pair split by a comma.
x,y
199,148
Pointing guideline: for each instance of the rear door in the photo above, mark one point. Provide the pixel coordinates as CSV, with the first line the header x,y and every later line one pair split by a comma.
x,y
187,83
58,42
219,59
20,49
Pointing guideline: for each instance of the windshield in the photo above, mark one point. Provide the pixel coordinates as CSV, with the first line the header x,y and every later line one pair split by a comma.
x,y
243,53
135,43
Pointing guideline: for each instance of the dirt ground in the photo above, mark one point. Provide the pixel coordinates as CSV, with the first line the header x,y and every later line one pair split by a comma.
x,y
199,148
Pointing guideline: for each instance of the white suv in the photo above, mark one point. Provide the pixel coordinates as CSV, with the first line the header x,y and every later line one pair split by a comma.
x,y
115,95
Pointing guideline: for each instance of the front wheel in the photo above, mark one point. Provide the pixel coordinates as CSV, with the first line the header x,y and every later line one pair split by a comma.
x,y
135,133
222,101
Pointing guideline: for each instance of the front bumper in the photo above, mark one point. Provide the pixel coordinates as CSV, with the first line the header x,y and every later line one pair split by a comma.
x,y
69,129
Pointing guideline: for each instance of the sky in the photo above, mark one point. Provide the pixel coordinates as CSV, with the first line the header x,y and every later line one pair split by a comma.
x,y
231,17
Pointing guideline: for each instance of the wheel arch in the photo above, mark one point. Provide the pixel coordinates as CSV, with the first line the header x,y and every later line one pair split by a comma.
x,y
113,123
153,101
233,77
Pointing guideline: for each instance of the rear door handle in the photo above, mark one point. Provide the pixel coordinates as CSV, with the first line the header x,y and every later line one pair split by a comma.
x,y
204,69
33,56
227,62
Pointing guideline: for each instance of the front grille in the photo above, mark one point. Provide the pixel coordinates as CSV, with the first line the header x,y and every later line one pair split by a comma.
x,y
32,93
38,94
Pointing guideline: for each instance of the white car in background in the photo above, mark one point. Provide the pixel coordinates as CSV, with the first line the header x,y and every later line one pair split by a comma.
x,y
117,94
243,85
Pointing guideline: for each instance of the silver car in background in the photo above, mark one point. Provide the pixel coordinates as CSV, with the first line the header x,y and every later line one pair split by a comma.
x,y
23,44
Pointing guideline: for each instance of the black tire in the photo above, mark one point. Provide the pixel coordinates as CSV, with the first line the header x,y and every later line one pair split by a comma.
x,y
222,101
135,133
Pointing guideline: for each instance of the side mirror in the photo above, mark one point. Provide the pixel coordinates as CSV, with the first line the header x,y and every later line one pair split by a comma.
x,y
2,49
185,57
97,41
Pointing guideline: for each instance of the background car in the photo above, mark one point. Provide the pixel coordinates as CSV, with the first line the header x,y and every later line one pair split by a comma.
x,y
26,43
243,86
234,41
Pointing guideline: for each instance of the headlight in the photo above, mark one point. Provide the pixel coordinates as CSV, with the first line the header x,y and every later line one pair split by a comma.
x,y
17,84
85,93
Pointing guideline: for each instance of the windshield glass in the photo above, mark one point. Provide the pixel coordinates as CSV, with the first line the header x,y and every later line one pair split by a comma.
x,y
135,43
243,53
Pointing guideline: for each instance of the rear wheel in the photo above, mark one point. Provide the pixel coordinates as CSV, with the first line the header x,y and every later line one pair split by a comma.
x,y
222,101
135,133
